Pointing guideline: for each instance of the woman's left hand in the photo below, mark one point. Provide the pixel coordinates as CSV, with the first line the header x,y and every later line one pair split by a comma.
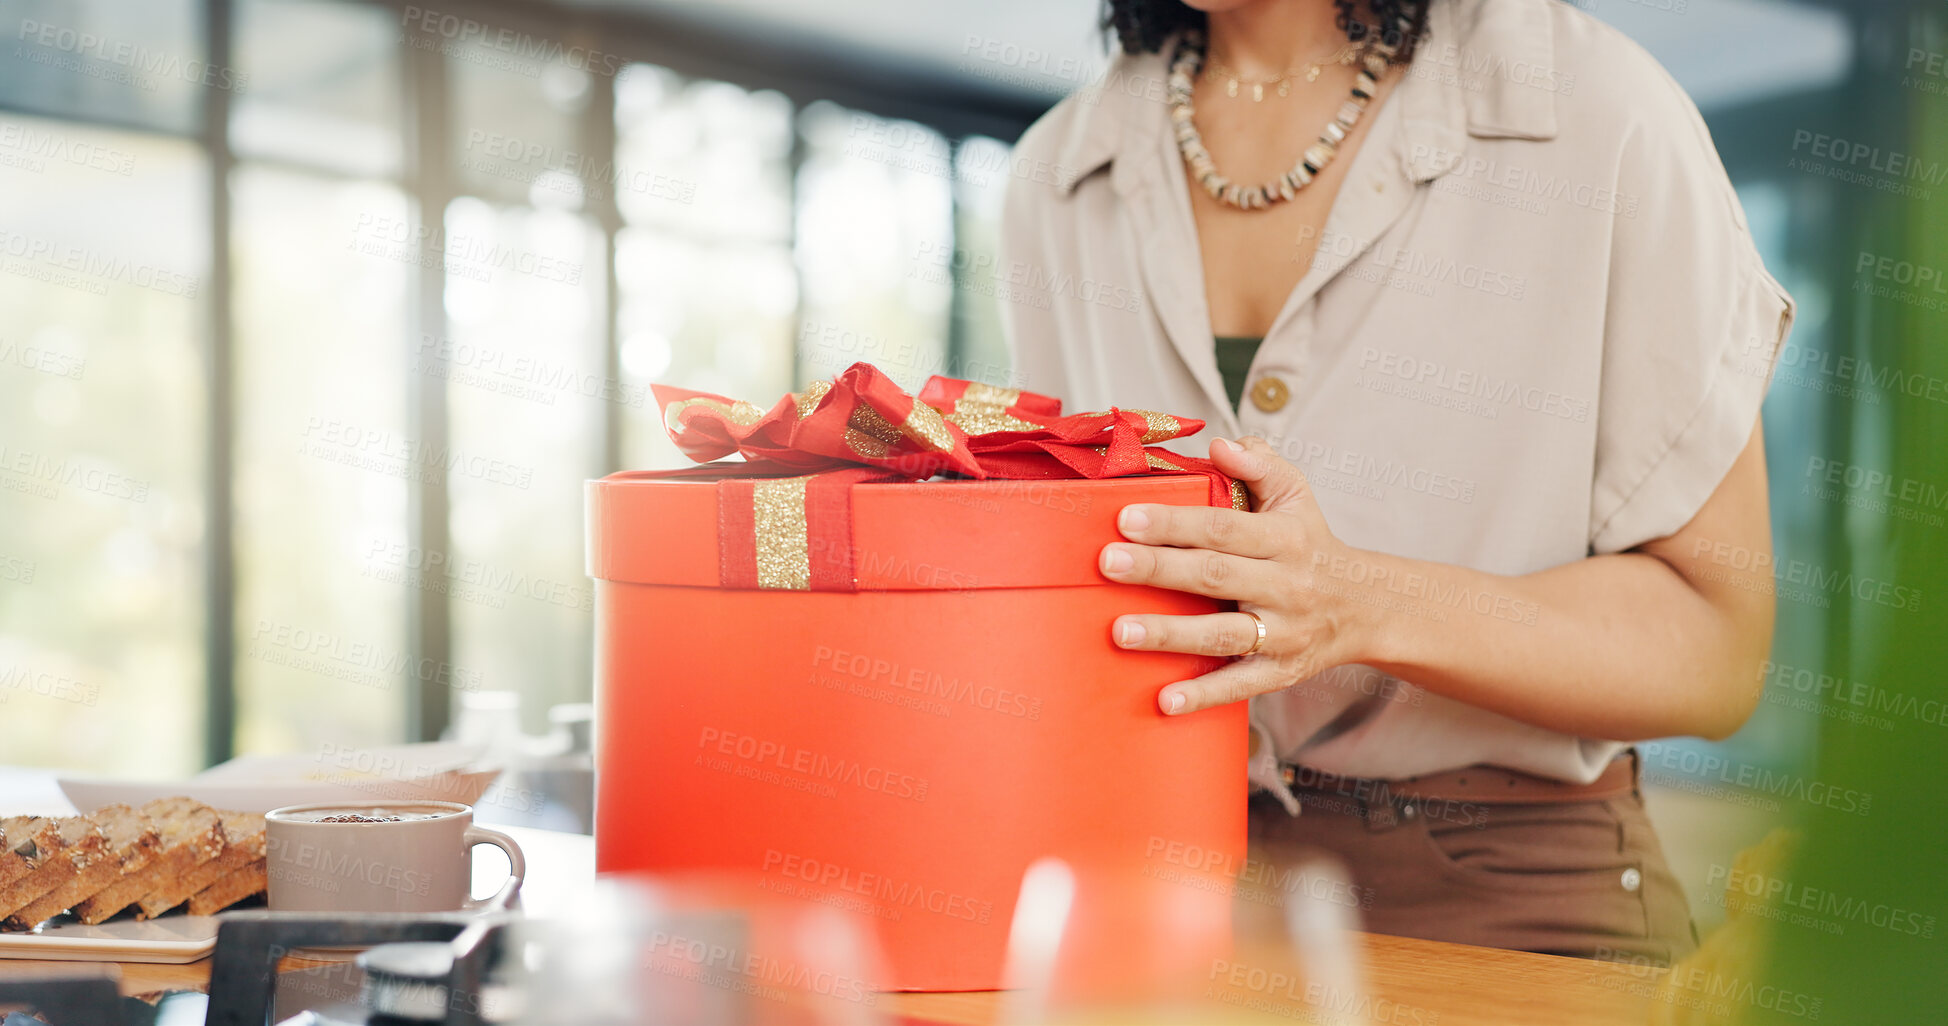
x,y
1272,562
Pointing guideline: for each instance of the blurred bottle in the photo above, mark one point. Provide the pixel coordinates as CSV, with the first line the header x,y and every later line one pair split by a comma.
x,y
698,952
558,772
1153,945
1114,944
491,721
547,781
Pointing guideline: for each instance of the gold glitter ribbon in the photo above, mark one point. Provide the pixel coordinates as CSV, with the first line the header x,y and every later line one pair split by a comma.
x,y
807,401
1158,426
780,535
873,436
739,412
984,410
868,434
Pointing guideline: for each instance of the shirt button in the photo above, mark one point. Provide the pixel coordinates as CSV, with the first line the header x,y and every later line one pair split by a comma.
x,y
1269,393
1408,811
1632,879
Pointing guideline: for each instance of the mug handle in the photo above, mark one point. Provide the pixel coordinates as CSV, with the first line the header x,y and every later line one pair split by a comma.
x,y
517,867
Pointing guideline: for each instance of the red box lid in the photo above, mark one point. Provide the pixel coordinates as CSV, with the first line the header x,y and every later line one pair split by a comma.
x,y
919,536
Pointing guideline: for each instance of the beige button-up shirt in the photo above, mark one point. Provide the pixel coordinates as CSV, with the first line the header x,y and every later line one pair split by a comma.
x,y
1536,328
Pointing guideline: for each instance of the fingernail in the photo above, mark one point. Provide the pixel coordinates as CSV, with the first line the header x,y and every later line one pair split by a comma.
x,y
1129,633
1231,445
1172,702
1133,518
1117,560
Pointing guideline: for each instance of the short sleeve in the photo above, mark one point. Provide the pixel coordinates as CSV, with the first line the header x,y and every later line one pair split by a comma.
x,y
1692,327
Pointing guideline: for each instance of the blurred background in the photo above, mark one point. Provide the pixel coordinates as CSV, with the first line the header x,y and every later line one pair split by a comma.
x,y
315,314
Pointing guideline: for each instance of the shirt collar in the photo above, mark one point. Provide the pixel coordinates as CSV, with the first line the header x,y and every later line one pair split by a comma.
x,y
1502,57
1486,69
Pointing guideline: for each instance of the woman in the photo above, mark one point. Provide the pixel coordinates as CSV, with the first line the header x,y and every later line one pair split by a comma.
x,y
1471,278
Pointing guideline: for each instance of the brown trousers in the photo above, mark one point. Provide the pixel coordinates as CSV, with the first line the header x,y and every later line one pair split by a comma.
x,y
1580,878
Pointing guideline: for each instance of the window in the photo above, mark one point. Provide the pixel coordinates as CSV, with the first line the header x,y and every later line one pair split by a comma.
x,y
526,394
322,86
982,168
707,294
121,62
324,455
324,249
876,248
101,468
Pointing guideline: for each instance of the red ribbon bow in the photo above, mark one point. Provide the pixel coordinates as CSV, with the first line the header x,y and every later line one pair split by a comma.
x,y
861,418
861,427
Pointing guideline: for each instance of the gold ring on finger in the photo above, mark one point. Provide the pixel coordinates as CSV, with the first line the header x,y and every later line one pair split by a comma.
x,y
1259,642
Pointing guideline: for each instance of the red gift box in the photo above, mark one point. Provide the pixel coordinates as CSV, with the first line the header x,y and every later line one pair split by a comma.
x,y
891,696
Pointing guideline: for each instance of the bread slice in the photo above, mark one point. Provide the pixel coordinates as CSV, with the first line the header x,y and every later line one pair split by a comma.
x,y
192,834
236,886
127,840
39,841
84,850
13,864
243,843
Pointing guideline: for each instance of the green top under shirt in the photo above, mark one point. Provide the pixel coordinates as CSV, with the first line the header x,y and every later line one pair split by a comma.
x,y
1234,355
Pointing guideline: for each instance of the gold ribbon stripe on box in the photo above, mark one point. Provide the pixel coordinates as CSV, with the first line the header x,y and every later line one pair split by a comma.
x,y
783,551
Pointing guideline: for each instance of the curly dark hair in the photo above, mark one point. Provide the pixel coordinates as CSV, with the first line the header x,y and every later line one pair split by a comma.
x,y
1144,26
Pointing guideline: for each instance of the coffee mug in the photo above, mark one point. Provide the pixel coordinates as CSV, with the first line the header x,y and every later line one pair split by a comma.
x,y
381,856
